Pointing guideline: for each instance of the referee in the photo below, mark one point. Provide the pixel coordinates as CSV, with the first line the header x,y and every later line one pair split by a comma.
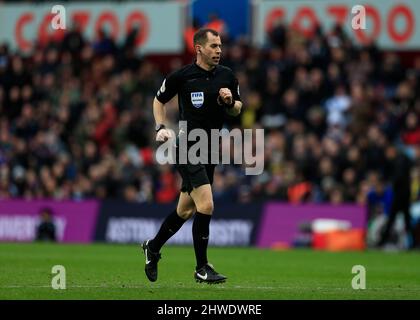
x,y
206,91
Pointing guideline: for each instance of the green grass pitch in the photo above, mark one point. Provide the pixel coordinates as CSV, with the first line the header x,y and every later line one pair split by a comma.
x,y
105,271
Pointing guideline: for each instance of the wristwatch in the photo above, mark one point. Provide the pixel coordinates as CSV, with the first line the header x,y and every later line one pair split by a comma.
x,y
159,127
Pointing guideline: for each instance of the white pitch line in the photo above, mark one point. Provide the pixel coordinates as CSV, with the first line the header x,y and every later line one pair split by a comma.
x,y
213,287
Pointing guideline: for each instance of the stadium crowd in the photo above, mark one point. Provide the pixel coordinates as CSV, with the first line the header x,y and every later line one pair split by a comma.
x,y
76,120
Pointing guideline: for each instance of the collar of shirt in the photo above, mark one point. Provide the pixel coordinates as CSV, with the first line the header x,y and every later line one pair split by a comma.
x,y
207,72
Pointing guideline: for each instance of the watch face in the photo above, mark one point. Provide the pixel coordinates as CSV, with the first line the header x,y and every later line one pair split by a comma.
x,y
159,126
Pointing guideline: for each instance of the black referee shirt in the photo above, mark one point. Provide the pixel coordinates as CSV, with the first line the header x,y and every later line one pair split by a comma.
x,y
197,91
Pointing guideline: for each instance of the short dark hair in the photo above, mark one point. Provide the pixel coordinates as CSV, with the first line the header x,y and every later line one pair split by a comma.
x,y
200,37
46,210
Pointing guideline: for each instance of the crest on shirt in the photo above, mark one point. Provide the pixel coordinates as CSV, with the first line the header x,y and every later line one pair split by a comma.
x,y
197,99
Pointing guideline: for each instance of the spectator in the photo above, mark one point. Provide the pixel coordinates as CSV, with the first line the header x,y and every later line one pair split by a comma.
x,y
379,196
46,230
399,168
76,121
410,135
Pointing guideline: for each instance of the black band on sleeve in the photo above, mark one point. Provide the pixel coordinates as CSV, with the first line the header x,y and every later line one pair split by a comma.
x,y
225,105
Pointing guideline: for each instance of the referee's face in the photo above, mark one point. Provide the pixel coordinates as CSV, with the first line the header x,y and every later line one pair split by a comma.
x,y
211,51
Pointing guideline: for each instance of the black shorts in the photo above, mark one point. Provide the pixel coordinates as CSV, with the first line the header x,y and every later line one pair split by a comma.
x,y
195,175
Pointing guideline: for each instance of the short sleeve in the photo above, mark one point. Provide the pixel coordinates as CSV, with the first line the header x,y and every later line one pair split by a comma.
x,y
234,88
169,87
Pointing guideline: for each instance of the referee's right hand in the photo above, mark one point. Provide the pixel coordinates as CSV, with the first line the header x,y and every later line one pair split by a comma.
x,y
163,135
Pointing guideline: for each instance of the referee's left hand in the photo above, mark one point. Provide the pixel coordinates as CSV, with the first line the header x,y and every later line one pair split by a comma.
x,y
163,135
226,95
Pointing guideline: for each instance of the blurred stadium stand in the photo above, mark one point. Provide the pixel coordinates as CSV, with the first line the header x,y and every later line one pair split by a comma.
x,y
76,119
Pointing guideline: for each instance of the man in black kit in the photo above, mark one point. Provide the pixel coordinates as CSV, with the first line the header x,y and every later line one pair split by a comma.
x,y
206,91
398,168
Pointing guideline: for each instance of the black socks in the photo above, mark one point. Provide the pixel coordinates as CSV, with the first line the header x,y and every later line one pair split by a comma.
x,y
200,231
169,227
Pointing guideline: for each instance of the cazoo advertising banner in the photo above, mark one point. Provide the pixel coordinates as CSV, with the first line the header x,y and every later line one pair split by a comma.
x,y
160,24
391,24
